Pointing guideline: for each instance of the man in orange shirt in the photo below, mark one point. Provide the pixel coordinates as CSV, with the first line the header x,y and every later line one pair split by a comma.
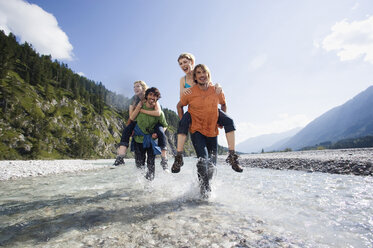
x,y
203,107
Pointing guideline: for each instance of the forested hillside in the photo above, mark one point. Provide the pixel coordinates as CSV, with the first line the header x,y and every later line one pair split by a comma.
x,y
47,111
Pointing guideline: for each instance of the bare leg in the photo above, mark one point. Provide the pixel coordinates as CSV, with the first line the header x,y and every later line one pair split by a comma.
x,y
181,138
231,140
164,159
122,150
120,157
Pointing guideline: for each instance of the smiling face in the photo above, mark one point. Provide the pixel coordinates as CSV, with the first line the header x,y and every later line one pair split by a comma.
x,y
138,89
152,95
202,75
151,100
186,65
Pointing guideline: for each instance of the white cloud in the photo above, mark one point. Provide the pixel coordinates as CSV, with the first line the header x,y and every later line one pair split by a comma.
x,y
351,40
31,23
282,123
81,74
258,62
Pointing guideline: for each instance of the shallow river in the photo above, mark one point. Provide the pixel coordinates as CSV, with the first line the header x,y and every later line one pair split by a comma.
x,y
119,208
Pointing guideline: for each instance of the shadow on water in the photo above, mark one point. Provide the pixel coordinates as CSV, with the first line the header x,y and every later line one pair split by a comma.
x,y
17,207
45,228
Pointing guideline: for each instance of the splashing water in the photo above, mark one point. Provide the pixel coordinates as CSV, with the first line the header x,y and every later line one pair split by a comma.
x,y
119,207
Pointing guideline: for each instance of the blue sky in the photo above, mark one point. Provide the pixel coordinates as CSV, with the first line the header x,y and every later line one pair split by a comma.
x,y
281,63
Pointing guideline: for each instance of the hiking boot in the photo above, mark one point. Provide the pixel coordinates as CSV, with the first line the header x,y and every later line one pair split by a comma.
x,y
232,159
164,163
205,190
118,161
177,163
149,175
211,170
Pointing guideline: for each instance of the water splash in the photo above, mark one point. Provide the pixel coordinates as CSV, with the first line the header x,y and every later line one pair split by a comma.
x,y
119,207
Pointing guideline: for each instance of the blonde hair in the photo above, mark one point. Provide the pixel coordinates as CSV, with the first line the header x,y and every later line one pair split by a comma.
x,y
143,84
188,56
204,68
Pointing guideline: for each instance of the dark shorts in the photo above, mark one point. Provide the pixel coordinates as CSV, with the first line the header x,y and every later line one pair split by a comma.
x,y
158,129
223,120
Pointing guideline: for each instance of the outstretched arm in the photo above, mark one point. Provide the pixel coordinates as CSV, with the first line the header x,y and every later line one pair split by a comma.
x,y
183,90
218,89
223,107
136,111
180,109
156,112
131,109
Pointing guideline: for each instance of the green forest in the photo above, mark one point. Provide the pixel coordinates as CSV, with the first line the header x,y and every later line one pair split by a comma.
x,y
49,112
40,70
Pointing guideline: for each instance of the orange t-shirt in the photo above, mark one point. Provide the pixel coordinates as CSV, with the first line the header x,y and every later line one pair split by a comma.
x,y
203,108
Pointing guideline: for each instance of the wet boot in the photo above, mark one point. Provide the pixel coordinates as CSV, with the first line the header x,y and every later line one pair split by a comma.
x,y
177,163
232,159
164,163
119,161
203,178
211,170
149,175
150,171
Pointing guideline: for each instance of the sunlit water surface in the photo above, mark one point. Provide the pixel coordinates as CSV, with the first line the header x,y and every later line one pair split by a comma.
x,y
119,208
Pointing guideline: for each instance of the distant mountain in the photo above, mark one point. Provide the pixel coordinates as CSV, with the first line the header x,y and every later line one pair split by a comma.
x,y
268,142
278,146
351,120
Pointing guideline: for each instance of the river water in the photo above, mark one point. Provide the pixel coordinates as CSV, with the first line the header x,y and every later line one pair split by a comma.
x,y
119,208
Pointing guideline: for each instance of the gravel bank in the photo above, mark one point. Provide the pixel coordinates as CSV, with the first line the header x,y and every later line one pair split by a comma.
x,y
12,169
343,161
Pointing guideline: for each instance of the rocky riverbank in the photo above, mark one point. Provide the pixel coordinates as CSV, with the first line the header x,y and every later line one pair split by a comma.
x,y
13,169
343,161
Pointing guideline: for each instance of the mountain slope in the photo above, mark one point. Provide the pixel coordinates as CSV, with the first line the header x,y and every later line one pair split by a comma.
x,y
277,146
350,120
49,112
34,126
266,141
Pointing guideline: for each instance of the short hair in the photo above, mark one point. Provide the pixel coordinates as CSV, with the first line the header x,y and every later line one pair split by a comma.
x,y
142,83
188,56
204,68
153,90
